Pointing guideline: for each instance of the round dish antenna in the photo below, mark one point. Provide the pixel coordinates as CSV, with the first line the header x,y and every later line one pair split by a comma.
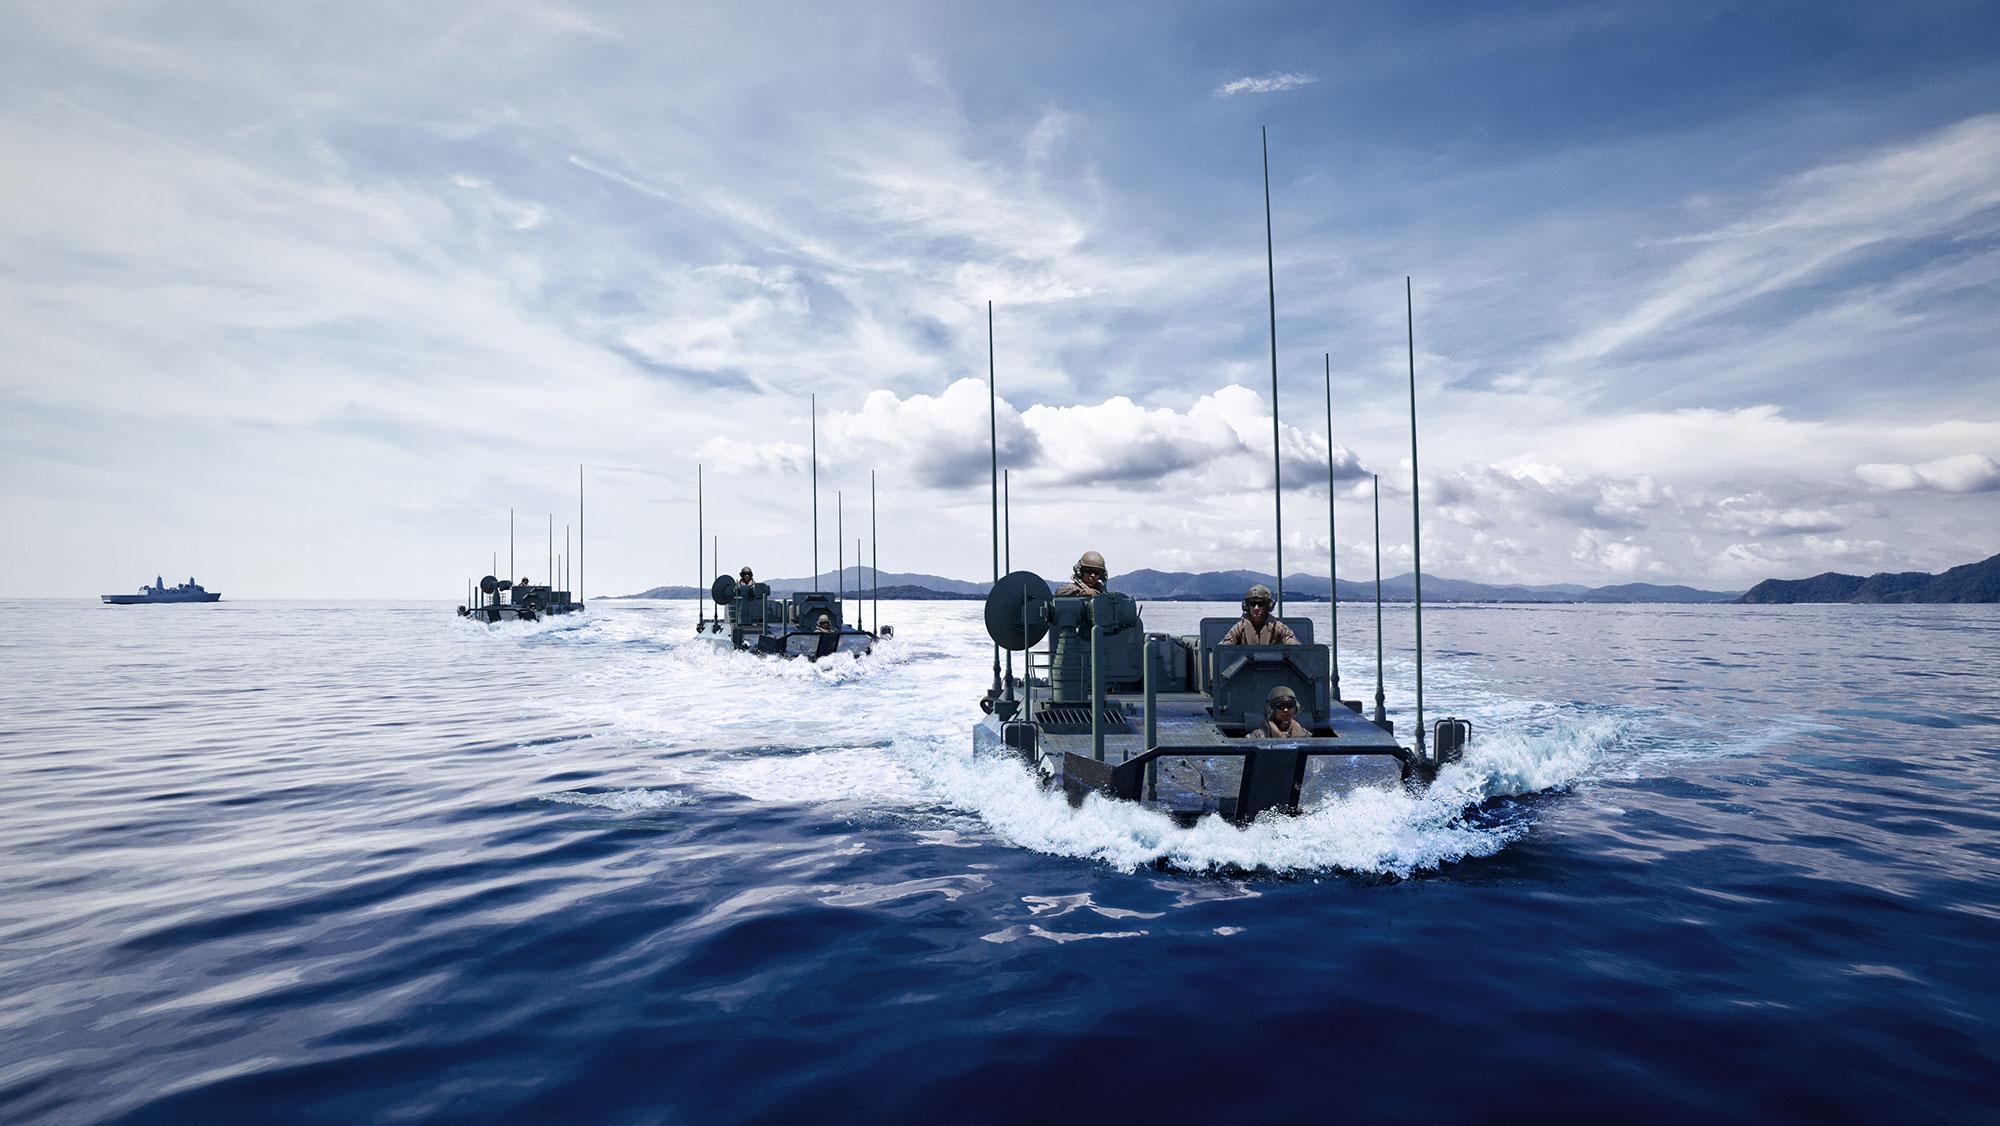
x,y
1014,610
723,590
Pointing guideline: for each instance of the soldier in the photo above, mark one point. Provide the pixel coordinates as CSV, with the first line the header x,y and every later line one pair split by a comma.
x,y
1258,627
1088,578
824,623
745,577
1280,708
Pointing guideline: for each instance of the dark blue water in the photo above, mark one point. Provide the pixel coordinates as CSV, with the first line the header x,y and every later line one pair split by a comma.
x,y
275,862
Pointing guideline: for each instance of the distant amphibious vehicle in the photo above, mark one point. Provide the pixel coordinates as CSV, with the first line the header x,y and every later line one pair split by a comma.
x,y
189,591
493,599
810,624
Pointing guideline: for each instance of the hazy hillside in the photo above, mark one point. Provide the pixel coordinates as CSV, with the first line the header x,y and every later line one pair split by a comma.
x,y
1973,582
1151,585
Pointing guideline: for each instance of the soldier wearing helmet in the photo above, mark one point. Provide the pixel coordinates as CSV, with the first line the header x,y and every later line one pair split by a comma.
x,y
1281,709
1258,627
1087,579
746,576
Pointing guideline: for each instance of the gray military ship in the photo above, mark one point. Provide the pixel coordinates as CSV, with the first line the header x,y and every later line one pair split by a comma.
x,y
189,591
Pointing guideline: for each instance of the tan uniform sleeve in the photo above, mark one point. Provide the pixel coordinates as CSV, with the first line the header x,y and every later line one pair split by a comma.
x,y
1238,634
1282,634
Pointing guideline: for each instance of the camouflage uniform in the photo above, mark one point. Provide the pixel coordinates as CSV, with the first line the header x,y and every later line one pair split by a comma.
x,y
1274,632
1246,632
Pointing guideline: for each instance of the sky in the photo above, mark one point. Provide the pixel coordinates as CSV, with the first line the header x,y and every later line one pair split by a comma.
x,y
301,299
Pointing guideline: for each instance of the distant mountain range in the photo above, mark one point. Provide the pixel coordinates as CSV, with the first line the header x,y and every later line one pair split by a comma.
x,y
1974,582
1228,586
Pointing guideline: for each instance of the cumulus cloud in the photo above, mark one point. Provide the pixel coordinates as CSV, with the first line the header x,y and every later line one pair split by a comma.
x,y
1755,515
1268,84
1963,473
1619,556
1227,433
1475,494
940,440
1219,444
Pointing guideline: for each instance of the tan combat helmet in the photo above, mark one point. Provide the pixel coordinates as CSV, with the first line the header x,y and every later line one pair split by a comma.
x,y
1090,561
745,575
1257,593
1279,693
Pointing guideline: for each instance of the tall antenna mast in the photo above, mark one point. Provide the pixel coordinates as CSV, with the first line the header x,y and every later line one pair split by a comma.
x,y
993,453
700,534
1332,542
551,572
579,535
1416,510
1007,519
874,554
839,559
1381,710
510,546
1007,549
815,489
1271,283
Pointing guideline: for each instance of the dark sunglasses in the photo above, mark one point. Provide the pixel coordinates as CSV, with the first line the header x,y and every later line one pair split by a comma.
x,y
1094,571
1285,706
1264,602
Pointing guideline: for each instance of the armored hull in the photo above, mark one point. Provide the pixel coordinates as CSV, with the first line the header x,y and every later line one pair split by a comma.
x,y
1196,766
1173,722
755,622
502,601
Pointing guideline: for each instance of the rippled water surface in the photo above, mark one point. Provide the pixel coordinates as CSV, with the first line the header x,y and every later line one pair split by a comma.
x,y
269,861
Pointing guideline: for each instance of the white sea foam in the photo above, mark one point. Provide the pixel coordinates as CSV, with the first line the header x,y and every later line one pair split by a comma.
x,y
891,733
623,801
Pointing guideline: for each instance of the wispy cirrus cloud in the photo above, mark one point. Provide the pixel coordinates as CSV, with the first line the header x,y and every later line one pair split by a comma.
x,y
1268,84
429,258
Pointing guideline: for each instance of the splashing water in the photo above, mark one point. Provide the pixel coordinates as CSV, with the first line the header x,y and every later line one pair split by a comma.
x,y
891,733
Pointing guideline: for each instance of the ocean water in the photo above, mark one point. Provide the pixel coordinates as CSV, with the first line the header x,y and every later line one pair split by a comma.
x,y
279,862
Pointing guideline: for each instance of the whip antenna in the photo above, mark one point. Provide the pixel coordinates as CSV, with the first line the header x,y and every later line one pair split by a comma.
x,y
1381,711
874,554
1416,510
993,454
700,534
815,490
1271,286
1332,542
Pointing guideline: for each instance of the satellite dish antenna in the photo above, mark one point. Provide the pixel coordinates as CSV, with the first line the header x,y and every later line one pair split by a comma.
x,y
1014,611
723,590
489,585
